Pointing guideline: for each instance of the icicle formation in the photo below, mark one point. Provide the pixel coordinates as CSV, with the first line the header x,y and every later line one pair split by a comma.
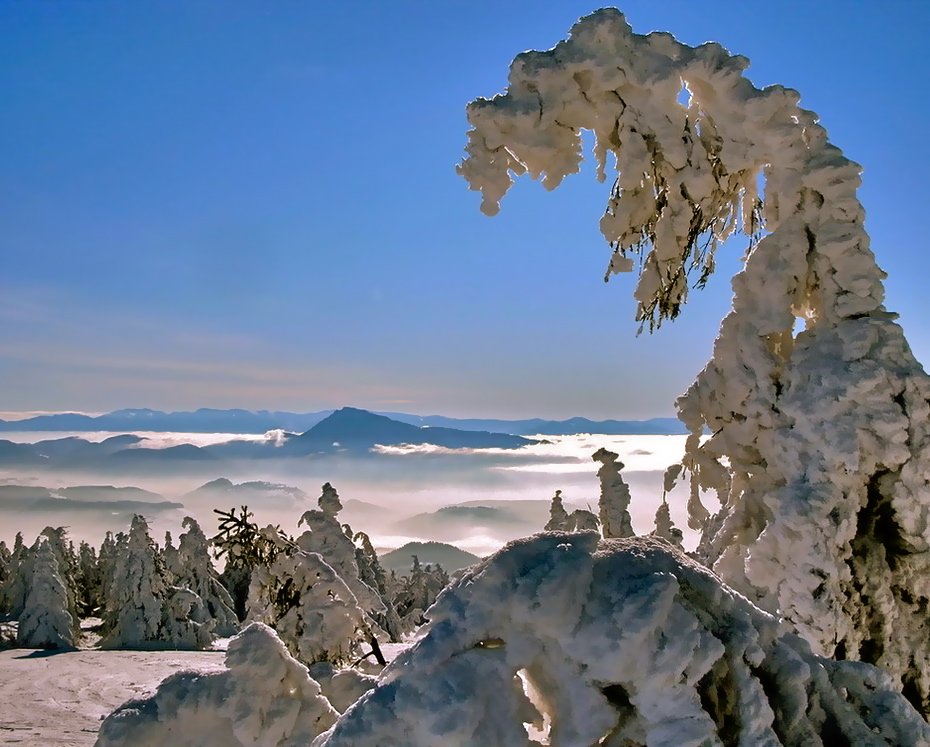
x,y
820,453
615,496
615,642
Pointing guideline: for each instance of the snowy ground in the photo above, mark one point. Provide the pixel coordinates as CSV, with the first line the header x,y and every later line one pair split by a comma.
x,y
60,699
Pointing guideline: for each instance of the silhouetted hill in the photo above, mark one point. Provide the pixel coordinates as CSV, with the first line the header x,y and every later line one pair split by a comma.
x,y
252,493
449,557
108,499
108,493
351,429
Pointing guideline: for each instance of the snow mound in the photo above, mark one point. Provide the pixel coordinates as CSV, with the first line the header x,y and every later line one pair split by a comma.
x,y
564,639
265,699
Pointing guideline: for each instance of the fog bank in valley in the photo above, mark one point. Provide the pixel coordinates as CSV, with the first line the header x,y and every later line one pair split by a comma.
x,y
476,499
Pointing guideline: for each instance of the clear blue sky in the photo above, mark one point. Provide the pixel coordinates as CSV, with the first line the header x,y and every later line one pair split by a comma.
x,y
254,204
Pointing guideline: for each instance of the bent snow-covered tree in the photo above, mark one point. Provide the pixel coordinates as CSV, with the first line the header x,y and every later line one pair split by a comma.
x,y
820,453
562,639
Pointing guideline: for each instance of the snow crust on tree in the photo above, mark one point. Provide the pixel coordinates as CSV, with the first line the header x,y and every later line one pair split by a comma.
x,y
265,699
47,619
615,642
820,445
615,496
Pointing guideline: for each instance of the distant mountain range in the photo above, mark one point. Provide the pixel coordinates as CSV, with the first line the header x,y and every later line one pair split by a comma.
x,y
347,431
246,421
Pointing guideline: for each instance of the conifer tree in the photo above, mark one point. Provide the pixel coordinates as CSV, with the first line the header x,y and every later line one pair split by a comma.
x,y
47,620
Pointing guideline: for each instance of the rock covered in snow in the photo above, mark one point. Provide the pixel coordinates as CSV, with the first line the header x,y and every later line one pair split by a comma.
x,y
265,699
820,445
577,641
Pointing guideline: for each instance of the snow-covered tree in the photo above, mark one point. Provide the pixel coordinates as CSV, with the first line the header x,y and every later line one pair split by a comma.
x,y
12,592
242,544
143,610
89,580
22,563
308,604
6,571
326,536
47,619
820,445
416,592
615,642
137,590
194,570
372,573
110,549
615,496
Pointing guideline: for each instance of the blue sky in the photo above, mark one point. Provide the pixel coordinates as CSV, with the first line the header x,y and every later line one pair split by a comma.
x,y
254,204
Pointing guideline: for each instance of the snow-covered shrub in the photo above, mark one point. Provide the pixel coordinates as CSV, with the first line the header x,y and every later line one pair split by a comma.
x,y
616,642
48,619
264,699
820,445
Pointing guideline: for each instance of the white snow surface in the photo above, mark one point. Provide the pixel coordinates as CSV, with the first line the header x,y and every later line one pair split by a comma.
x,y
820,453
59,700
